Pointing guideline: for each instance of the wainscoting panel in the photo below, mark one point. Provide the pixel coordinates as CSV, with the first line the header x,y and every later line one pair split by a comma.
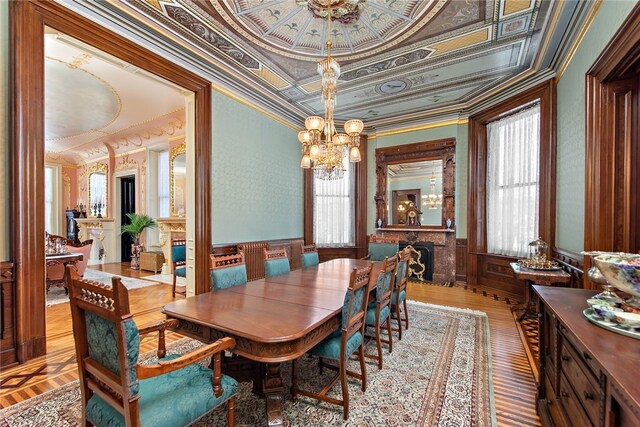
x,y
7,318
461,260
495,272
571,263
327,254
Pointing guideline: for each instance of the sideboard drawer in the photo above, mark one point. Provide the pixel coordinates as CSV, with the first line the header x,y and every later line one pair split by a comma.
x,y
571,405
581,380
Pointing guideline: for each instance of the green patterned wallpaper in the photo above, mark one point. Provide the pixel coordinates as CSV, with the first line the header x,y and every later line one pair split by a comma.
x,y
257,191
571,124
460,132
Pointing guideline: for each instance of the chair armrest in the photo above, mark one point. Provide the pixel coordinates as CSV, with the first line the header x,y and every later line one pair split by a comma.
x,y
162,367
160,327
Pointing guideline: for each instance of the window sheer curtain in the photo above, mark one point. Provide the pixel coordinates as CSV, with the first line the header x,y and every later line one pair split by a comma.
x,y
333,210
163,184
513,165
49,200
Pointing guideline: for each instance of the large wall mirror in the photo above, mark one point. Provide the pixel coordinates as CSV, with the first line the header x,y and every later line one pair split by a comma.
x,y
97,190
178,178
416,179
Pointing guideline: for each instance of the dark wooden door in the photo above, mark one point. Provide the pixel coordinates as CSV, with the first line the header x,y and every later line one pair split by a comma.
x,y
127,205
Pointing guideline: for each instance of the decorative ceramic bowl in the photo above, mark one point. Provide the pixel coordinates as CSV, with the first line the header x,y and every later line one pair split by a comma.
x,y
628,320
622,271
607,313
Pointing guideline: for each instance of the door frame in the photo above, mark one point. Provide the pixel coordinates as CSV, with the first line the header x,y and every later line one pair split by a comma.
x,y
27,21
117,193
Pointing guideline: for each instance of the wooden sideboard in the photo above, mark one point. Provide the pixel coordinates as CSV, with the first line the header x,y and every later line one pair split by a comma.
x,y
589,376
7,315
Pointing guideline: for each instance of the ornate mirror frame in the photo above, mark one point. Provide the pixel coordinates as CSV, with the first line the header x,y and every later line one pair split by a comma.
x,y
421,151
175,152
97,168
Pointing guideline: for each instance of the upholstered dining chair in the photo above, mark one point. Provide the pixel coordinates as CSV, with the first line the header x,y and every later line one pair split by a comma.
x,y
228,271
83,248
310,256
276,262
399,294
179,261
118,391
382,247
379,311
343,343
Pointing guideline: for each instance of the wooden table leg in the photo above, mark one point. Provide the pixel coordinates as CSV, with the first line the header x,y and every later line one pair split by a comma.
x,y
527,302
273,388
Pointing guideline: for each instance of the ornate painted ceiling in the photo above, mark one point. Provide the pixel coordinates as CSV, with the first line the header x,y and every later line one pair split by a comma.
x,y
97,105
399,59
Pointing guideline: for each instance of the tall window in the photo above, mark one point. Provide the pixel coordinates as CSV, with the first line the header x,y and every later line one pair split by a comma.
x,y
513,165
163,184
50,200
333,210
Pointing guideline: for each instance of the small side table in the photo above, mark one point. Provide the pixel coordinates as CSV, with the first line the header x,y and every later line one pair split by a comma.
x,y
535,277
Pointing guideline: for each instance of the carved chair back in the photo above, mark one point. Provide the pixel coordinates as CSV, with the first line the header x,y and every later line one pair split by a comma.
x,y
228,271
107,344
178,252
402,274
355,304
386,281
276,262
382,247
310,256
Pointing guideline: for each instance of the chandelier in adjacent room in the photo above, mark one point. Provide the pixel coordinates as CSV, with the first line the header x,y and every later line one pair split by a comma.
x,y
323,147
432,200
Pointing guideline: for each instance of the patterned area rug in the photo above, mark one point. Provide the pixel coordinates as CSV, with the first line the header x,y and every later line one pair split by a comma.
x,y
166,278
438,375
57,295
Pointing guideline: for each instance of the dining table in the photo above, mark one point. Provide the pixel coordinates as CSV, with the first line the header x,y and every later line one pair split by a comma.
x,y
272,320
64,259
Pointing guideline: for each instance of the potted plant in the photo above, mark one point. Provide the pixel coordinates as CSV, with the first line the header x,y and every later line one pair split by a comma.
x,y
137,225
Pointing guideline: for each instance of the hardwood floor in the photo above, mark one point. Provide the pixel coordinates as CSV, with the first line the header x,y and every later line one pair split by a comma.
x,y
514,386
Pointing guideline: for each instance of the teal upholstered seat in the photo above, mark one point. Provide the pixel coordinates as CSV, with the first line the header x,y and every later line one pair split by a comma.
x,y
276,267
174,393
174,399
351,332
380,251
223,278
178,259
310,259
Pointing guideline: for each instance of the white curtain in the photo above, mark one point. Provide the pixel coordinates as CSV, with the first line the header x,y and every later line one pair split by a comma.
x,y
333,210
163,184
49,200
513,165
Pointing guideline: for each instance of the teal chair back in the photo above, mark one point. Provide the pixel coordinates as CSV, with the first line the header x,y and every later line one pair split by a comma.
x,y
179,251
228,271
386,280
276,262
310,256
382,247
402,274
355,301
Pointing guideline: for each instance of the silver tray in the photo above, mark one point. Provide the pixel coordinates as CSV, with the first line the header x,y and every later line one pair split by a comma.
x,y
589,314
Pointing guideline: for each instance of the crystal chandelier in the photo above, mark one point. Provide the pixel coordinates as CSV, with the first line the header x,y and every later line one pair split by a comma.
x,y
432,200
323,148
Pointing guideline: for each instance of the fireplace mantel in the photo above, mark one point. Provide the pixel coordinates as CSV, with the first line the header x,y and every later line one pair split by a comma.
x,y
444,242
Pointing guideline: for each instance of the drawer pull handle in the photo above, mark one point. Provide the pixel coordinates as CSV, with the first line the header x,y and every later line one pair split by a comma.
x,y
564,394
586,355
565,357
587,395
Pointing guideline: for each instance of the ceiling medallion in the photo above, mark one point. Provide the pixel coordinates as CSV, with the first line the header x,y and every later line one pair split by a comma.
x,y
344,11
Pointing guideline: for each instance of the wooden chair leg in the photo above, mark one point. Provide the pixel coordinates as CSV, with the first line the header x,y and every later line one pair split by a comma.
x,y
320,365
399,320
294,378
231,412
389,333
379,345
345,388
406,315
173,289
363,367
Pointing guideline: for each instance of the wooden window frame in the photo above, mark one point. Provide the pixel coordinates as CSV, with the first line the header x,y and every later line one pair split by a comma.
x,y
477,201
360,224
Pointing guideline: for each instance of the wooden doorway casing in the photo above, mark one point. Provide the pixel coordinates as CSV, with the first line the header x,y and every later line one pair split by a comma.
x,y
27,21
612,154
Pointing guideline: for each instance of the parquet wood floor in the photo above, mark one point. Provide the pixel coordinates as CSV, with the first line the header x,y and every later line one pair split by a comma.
x,y
514,386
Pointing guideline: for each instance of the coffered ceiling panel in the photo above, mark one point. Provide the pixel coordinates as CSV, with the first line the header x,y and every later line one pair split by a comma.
x,y
397,57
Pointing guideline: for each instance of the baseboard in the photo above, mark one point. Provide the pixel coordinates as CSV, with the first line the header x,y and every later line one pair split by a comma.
x,y
31,349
